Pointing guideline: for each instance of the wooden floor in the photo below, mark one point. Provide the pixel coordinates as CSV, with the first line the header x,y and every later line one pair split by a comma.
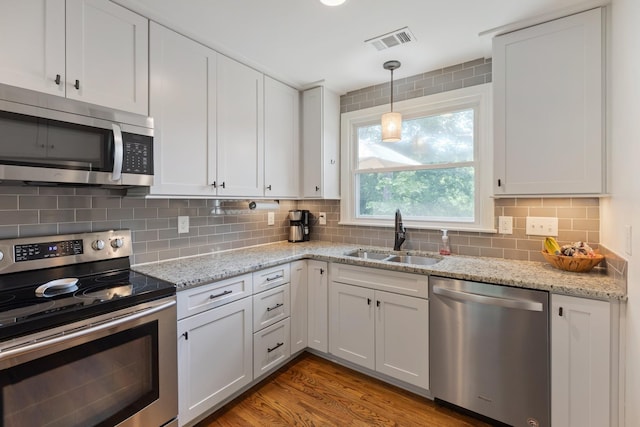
x,y
311,391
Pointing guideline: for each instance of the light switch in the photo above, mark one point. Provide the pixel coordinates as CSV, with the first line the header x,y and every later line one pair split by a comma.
x,y
505,224
628,236
542,226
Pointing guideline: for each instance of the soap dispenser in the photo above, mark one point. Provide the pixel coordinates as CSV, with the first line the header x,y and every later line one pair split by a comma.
x,y
445,249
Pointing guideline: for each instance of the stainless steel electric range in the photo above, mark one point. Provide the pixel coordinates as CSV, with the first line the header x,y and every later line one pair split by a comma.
x,y
84,340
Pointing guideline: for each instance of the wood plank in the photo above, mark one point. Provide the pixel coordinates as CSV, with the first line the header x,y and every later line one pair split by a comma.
x,y
312,391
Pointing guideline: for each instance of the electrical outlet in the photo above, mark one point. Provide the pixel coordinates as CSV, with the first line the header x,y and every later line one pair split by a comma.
x,y
183,224
542,226
505,224
322,218
627,239
271,218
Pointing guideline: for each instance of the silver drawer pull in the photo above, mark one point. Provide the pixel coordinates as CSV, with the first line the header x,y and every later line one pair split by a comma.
x,y
220,295
275,307
279,276
280,344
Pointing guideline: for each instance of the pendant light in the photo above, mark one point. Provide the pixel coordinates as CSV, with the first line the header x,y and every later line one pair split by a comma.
x,y
391,122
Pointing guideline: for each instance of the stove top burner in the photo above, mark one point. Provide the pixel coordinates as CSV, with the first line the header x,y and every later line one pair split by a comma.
x,y
23,310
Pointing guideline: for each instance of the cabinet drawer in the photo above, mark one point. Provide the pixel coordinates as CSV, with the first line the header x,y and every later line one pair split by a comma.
x,y
415,285
271,277
271,347
213,295
271,306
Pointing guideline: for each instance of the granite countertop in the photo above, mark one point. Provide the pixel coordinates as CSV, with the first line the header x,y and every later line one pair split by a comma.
x,y
203,269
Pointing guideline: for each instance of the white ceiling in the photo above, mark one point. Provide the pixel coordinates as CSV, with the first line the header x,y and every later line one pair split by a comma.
x,y
303,42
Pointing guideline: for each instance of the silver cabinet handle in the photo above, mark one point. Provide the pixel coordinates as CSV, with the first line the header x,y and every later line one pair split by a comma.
x,y
521,304
279,276
275,307
118,153
227,292
280,344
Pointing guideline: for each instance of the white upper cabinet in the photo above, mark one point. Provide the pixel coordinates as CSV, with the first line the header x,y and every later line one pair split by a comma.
x,y
32,45
281,140
240,129
548,108
182,104
103,61
320,144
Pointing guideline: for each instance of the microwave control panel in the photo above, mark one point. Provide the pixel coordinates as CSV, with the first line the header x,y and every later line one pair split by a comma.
x,y
138,154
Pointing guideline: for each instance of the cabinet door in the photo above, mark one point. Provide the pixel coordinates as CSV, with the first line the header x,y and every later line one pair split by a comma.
x,y
320,144
32,44
240,129
402,338
580,361
318,305
298,306
215,355
107,54
281,139
548,131
351,324
182,103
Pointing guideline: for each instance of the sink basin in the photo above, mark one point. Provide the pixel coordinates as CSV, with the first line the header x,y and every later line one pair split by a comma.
x,y
368,255
413,259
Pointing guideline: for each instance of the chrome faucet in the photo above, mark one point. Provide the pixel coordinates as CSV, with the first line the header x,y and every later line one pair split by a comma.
x,y
400,232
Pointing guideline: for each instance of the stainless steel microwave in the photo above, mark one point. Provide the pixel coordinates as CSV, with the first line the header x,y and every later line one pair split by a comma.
x,y
47,139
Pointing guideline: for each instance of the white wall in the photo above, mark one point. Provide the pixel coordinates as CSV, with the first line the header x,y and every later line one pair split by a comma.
x,y
623,208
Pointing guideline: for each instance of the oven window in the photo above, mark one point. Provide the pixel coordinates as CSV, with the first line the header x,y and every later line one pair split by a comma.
x,y
100,383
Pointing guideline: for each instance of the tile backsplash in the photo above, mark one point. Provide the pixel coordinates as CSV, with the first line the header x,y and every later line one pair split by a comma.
x,y
32,211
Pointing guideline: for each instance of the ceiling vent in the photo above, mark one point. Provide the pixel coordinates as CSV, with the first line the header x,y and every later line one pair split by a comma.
x,y
394,38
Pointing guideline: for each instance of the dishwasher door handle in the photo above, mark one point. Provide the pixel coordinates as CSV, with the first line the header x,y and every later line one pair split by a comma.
x,y
521,304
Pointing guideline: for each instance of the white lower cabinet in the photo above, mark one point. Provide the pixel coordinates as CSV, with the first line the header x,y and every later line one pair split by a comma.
x,y
271,323
318,298
580,362
215,357
298,306
380,330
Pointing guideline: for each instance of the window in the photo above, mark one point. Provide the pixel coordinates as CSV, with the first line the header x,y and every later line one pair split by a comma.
x,y
438,175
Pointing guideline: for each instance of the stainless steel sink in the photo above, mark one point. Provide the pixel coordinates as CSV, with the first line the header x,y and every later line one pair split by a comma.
x,y
413,259
383,256
368,254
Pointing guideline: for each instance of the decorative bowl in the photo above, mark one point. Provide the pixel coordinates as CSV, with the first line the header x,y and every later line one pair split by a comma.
x,y
570,263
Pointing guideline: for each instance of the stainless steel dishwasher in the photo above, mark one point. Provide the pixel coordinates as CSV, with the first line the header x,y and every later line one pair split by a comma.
x,y
490,350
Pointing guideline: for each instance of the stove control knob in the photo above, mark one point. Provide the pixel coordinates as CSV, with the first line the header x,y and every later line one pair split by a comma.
x,y
98,245
118,242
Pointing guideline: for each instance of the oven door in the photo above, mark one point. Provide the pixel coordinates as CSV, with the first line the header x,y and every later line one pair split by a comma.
x,y
117,371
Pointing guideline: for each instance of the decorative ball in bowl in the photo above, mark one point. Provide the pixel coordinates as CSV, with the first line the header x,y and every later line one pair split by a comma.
x,y
576,264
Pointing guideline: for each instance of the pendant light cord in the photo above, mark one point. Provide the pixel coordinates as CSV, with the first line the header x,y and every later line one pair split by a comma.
x,y
391,90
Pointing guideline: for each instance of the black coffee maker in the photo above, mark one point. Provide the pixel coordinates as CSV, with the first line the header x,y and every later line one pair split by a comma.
x,y
299,225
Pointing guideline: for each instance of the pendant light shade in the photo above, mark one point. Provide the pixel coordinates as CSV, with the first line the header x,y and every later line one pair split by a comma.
x,y
391,122
391,127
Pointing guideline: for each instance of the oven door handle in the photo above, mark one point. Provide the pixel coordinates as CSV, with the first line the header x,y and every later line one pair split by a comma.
x,y
26,348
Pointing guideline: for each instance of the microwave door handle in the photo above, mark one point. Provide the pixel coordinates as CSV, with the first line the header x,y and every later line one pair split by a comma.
x,y
118,153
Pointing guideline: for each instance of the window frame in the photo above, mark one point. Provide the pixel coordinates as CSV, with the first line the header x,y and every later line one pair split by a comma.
x,y
476,97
